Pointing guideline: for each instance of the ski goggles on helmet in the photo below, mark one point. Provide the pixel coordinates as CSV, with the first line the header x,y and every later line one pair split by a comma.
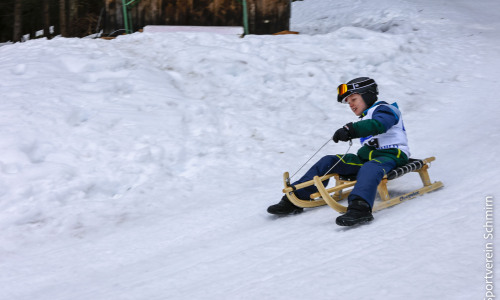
x,y
346,89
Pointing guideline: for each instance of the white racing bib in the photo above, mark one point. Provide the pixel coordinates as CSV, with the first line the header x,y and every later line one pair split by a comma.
x,y
395,137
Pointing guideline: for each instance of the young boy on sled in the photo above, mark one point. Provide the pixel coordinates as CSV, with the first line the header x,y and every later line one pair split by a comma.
x,y
384,147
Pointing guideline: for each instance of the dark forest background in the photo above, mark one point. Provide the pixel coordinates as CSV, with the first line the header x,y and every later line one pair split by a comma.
x,y
79,18
69,18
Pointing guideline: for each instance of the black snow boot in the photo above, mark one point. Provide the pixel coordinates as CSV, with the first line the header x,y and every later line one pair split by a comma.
x,y
284,207
358,211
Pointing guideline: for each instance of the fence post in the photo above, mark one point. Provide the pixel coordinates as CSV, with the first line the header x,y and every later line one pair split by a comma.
x,y
245,17
125,16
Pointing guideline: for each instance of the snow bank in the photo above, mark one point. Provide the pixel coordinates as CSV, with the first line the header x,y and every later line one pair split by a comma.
x,y
94,124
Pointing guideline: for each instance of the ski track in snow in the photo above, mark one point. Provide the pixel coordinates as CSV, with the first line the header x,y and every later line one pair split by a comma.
x,y
142,167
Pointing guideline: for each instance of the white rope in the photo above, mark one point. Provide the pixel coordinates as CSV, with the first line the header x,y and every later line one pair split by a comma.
x,y
309,160
350,144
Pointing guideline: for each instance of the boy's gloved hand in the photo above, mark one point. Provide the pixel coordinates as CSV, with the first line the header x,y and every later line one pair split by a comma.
x,y
344,134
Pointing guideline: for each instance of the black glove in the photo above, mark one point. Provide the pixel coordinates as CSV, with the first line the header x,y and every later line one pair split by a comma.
x,y
344,134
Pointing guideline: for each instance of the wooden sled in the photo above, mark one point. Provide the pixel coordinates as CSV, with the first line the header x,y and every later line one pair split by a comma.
x,y
332,196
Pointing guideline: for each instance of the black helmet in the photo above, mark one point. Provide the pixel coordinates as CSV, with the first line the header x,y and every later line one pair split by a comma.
x,y
364,86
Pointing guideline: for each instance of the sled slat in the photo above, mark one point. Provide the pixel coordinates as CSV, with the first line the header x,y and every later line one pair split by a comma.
x,y
302,185
424,175
382,190
298,202
339,194
326,196
407,196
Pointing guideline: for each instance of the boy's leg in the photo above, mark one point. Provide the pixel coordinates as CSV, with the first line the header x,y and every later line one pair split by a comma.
x,y
362,197
349,165
369,177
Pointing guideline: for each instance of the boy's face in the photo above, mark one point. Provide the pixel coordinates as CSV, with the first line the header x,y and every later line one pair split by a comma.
x,y
355,101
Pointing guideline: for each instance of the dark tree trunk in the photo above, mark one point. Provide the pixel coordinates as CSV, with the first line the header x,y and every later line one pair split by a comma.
x,y
62,18
18,21
46,18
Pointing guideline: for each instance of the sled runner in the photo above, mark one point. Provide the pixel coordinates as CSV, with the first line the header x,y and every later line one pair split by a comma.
x,y
332,196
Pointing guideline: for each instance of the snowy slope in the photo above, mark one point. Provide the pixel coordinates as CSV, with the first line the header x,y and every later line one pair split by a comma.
x,y
141,168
